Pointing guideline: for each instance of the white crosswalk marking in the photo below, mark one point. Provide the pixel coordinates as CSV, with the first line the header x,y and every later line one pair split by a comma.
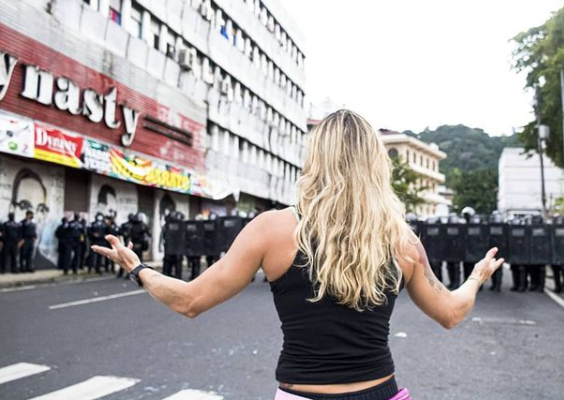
x,y
190,394
93,388
20,370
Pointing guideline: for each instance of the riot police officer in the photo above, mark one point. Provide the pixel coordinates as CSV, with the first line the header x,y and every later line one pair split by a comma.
x,y
470,217
65,247
13,240
125,233
140,235
172,262
453,267
96,235
111,229
29,234
497,277
536,271
557,249
518,270
77,237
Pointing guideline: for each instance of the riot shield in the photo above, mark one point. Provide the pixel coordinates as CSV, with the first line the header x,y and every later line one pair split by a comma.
x,y
455,237
415,227
211,238
432,237
194,238
497,233
518,240
540,245
229,229
558,244
173,235
477,242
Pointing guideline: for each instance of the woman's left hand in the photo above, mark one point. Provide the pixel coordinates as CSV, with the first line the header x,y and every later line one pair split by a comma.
x,y
120,254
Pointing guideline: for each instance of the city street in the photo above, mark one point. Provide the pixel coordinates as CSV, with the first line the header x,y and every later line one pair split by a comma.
x,y
510,347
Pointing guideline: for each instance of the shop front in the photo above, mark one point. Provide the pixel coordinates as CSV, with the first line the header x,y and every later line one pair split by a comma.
x,y
76,140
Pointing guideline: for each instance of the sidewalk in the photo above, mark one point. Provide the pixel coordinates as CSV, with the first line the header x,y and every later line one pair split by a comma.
x,y
54,275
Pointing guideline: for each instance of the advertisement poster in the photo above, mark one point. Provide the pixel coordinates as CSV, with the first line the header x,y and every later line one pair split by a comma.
x,y
16,135
96,157
58,147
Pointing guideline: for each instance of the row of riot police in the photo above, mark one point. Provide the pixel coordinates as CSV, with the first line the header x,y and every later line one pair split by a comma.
x,y
17,241
195,239
527,244
76,236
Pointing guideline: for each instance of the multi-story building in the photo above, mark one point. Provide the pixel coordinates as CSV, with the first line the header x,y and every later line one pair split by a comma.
x,y
519,189
127,105
424,159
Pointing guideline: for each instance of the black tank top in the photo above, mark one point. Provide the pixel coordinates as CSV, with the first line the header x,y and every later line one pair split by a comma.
x,y
328,343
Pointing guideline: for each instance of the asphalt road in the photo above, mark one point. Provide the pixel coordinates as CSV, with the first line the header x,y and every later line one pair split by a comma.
x,y
510,347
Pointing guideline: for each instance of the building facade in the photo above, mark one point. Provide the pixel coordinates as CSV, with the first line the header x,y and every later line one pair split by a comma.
x,y
424,159
152,106
520,183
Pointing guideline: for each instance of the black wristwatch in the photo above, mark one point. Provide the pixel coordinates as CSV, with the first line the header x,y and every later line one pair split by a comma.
x,y
134,275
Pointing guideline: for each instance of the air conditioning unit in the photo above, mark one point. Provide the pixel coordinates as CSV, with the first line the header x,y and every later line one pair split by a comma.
x,y
186,58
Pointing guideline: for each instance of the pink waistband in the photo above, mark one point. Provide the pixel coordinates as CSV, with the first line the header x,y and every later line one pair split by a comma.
x,y
403,394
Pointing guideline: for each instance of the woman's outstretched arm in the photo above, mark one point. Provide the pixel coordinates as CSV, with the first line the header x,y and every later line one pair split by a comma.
x,y
446,307
221,281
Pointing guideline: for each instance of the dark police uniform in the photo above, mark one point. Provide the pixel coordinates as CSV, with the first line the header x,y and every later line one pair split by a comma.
x,y
77,238
111,229
65,247
12,238
139,236
96,234
125,233
172,261
29,234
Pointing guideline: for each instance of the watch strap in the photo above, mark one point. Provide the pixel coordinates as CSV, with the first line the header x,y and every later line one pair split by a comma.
x,y
135,273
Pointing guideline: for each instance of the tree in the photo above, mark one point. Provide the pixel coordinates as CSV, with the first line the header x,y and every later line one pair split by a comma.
x,y
477,189
404,181
540,53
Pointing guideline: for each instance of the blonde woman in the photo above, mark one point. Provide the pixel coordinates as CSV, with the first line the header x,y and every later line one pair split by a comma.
x,y
336,262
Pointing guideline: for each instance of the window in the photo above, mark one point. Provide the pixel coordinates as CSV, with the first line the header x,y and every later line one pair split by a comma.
x,y
137,22
414,158
170,45
155,35
421,160
115,11
427,163
393,152
407,155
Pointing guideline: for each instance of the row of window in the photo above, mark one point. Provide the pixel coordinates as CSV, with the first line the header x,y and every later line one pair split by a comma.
x,y
426,162
204,68
211,11
176,48
233,146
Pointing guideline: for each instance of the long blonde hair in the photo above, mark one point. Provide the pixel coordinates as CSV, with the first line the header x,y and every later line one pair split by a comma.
x,y
351,219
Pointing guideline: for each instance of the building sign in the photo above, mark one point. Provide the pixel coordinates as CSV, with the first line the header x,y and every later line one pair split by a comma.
x,y
43,87
58,147
16,135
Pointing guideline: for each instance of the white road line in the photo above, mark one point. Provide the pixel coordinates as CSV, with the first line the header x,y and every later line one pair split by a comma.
x,y
190,394
96,299
555,297
20,370
93,388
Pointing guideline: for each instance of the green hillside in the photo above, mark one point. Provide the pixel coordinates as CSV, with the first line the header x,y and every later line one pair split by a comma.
x,y
468,149
471,164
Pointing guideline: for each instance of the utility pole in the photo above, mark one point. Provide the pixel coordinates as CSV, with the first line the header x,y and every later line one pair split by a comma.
x,y
562,99
538,108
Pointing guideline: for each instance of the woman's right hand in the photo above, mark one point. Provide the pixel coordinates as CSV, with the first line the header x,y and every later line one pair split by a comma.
x,y
485,268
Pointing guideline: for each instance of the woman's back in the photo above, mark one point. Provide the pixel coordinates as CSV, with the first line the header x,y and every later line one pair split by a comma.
x,y
325,342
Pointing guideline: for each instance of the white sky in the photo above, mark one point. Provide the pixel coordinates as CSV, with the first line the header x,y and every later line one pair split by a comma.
x,y
409,64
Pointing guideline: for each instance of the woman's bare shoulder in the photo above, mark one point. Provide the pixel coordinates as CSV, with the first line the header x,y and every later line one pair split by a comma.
x,y
408,254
